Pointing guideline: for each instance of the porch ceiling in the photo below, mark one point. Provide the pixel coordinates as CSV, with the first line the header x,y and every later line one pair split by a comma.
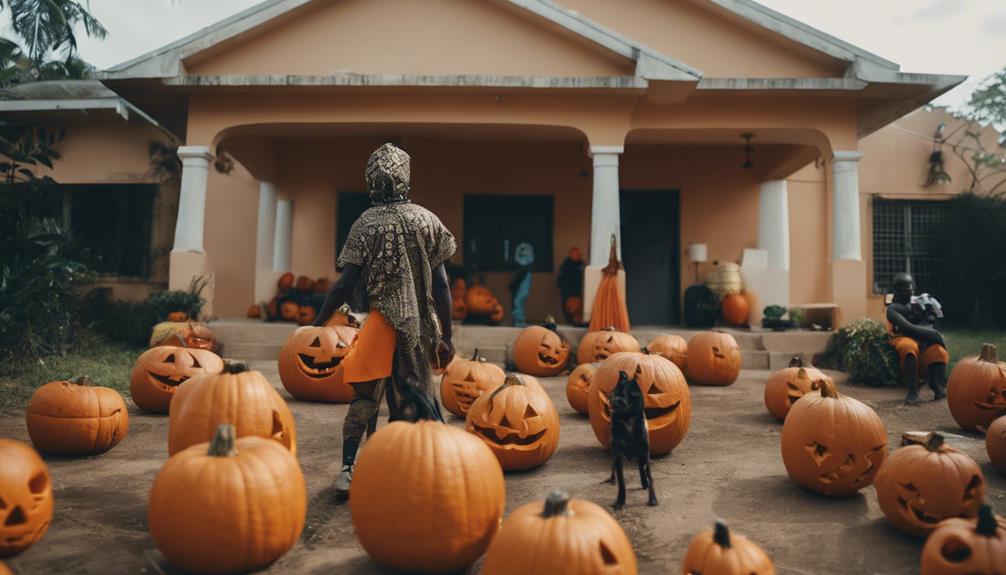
x,y
454,132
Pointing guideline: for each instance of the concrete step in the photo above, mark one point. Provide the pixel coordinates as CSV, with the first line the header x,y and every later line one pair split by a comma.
x,y
754,359
250,351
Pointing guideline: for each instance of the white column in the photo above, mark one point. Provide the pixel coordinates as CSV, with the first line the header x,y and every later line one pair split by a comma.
x,y
773,223
284,231
604,216
846,244
265,240
192,199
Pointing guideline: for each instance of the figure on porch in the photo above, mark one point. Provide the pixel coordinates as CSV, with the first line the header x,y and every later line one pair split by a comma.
x,y
571,286
922,352
398,250
520,285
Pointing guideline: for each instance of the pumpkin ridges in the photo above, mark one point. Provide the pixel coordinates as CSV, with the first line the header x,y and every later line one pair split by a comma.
x,y
20,464
71,417
971,404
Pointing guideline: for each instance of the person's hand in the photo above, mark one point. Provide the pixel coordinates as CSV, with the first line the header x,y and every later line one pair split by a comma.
x,y
445,353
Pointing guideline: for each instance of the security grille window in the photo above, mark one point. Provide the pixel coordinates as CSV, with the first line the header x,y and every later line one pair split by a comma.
x,y
495,225
903,239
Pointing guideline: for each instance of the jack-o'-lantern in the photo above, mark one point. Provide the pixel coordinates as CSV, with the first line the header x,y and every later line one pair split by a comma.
x,y
578,386
672,347
178,316
458,288
25,495
976,390
343,316
995,444
480,300
254,311
667,402
309,363
497,313
188,334
322,286
599,345
459,310
160,370
720,552
787,385
76,418
713,358
465,380
285,281
926,482
304,284
831,443
518,422
574,308
236,395
289,310
540,351
735,309
306,315
966,546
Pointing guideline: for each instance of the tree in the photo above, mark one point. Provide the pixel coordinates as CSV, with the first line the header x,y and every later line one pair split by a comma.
x,y
988,102
46,45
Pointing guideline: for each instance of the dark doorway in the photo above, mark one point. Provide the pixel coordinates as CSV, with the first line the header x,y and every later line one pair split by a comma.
x,y
651,255
351,206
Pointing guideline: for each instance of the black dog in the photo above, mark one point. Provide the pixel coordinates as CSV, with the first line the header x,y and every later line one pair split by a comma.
x,y
629,437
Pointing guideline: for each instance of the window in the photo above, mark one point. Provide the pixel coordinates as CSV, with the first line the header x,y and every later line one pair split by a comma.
x,y
903,235
351,207
495,225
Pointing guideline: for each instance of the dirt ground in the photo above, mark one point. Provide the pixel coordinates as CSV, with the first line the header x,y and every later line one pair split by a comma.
x,y
728,466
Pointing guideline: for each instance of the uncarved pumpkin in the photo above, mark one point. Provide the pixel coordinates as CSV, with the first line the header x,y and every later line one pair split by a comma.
x,y
518,422
966,546
26,492
720,552
465,380
160,370
285,281
75,418
976,390
450,509
578,386
995,444
600,345
497,313
254,311
540,351
480,300
228,506
735,309
309,363
322,286
178,316
714,358
304,284
582,538
672,347
238,396
789,384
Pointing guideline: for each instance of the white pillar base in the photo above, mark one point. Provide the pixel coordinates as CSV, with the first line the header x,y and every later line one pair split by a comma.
x,y
846,243
192,198
284,235
605,218
265,277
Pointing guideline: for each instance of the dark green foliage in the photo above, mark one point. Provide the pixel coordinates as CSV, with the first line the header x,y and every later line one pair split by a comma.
x,y
862,349
774,311
120,321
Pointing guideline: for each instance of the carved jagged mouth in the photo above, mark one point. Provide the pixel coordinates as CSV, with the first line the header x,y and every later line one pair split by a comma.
x,y
319,369
511,438
548,360
991,406
922,516
791,398
601,356
656,412
168,383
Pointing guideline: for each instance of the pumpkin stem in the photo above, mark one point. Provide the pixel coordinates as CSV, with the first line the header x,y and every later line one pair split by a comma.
x,y
721,534
988,353
796,361
550,323
475,356
930,440
802,373
512,379
609,328
987,523
82,380
232,366
828,389
557,503
222,444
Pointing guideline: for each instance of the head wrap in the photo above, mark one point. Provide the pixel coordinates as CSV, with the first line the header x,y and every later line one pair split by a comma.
x,y
388,175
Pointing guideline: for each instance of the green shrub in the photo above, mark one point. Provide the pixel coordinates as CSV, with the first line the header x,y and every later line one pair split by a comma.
x,y
164,302
863,350
120,321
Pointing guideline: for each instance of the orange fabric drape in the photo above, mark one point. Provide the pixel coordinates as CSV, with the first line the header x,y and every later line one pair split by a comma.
x,y
609,303
372,355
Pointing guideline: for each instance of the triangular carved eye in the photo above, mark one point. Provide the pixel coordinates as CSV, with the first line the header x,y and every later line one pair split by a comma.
x,y
38,483
607,556
16,517
195,362
170,358
654,391
529,412
611,338
818,452
505,423
470,378
973,486
3,505
316,342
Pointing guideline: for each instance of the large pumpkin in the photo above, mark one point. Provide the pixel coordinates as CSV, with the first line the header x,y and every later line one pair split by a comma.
x,y
926,482
228,506
966,546
74,418
713,358
976,390
582,538
540,351
735,308
26,494
186,334
465,380
789,384
426,497
479,300
518,422
599,345
672,347
236,395
995,444
160,370
720,552
309,363
578,386
832,444
667,402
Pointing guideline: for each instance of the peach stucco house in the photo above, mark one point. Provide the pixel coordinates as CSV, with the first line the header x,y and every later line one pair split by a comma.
x,y
527,120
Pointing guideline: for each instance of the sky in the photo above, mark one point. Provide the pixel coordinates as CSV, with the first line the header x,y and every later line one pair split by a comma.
x,y
935,36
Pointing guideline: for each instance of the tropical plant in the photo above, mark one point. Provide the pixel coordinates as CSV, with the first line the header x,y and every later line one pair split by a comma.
x,y
46,44
863,349
988,102
24,150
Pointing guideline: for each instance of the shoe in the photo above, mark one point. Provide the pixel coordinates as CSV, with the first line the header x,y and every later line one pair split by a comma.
x,y
912,399
344,481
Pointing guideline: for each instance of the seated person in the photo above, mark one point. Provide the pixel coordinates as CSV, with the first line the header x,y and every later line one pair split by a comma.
x,y
922,352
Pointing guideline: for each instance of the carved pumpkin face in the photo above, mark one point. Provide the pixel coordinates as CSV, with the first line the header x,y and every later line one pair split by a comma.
x,y
599,345
518,422
995,444
541,352
787,385
25,497
721,552
465,380
966,546
289,310
160,370
306,315
189,334
497,313
667,402
832,444
285,281
254,311
976,390
459,310
713,359
672,347
479,300
309,363
578,386
926,482
304,284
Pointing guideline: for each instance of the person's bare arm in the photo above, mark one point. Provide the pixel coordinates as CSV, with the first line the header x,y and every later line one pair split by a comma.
x,y
916,332
442,298
341,291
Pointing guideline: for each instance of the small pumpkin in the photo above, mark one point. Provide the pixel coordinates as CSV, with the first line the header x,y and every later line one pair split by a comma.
x,y
178,316
976,390
574,308
187,334
74,418
160,370
236,395
518,422
720,552
497,313
713,358
541,351
465,380
926,482
285,281
599,345
995,444
289,310
26,493
309,363
322,286
672,347
458,288
789,384
304,284
578,386
254,311
228,506
831,443
582,536
480,300
966,546
459,310
735,309
453,504
306,315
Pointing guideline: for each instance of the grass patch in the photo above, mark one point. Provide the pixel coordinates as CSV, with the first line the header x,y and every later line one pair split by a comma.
x,y
106,363
966,342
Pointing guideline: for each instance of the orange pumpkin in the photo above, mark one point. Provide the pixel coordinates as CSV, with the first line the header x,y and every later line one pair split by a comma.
x,y
189,334
459,310
236,395
518,422
465,380
713,359
672,347
976,390
306,315
322,286
787,385
574,308
735,309
254,311
228,506
160,370
74,418
832,444
497,313
309,363
667,402
966,546
995,444
480,300
582,538
458,288
598,345
285,281
578,386
289,311
720,552
4,570
449,514
178,316
304,284
26,493
926,482
540,351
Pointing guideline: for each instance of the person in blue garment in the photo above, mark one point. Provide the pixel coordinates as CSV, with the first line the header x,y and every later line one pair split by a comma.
x,y
520,286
